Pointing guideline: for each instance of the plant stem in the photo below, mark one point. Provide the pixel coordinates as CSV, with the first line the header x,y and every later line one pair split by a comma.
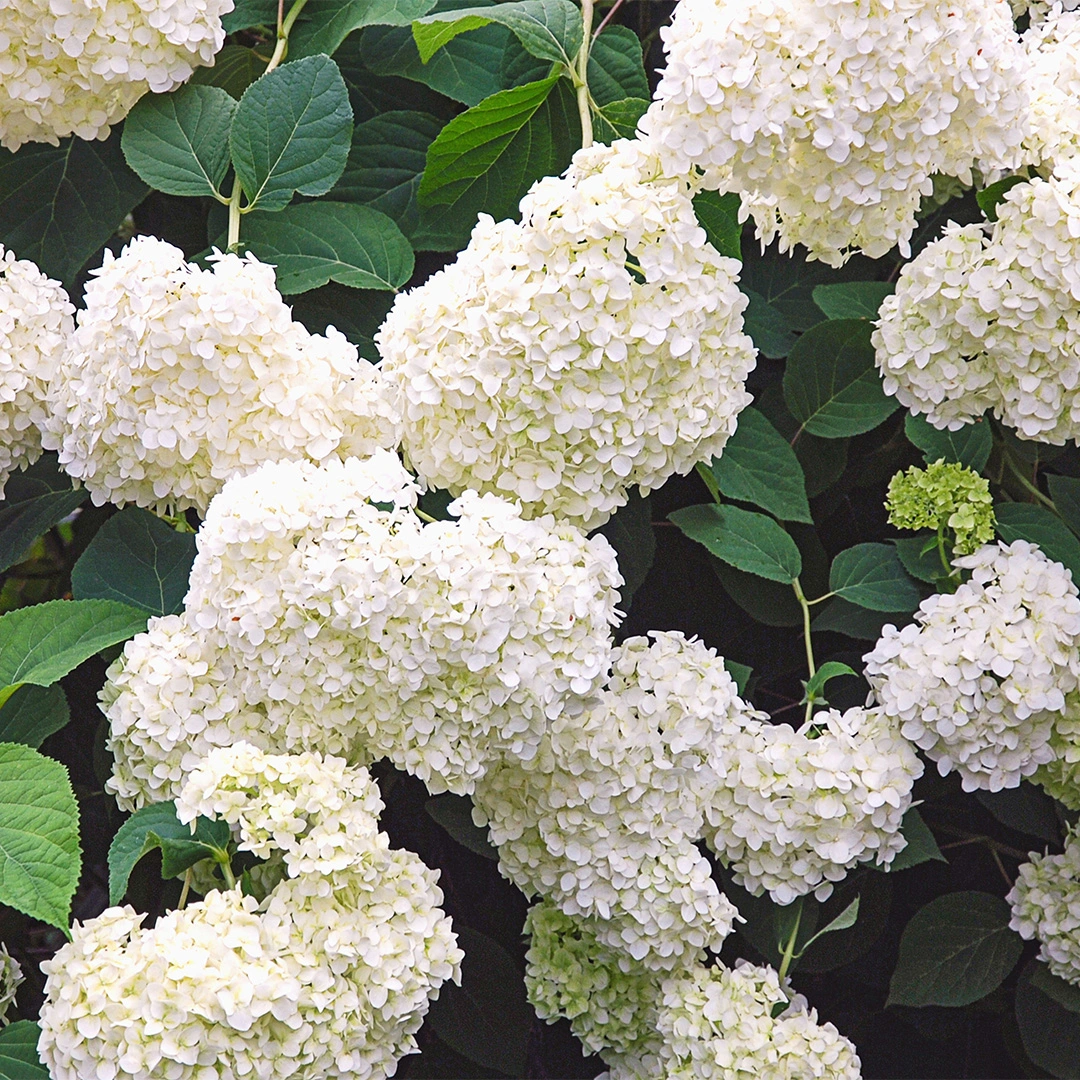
x,y
227,874
607,18
789,949
424,516
185,890
709,480
800,596
581,73
1025,483
234,214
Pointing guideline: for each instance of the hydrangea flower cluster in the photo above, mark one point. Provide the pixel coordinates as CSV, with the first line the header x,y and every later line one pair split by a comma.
x,y
1060,776
178,378
1046,906
330,976
796,810
829,117
35,322
596,345
1052,73
11,978
979,679
988,317
77,67
322,614
944,494
603,819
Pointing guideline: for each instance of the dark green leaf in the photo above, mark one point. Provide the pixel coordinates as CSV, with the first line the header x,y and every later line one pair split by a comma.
x,y
835,950
815,685
22,522
844,921
767,327
247,13
325,24
768,602
1066,994
292,132
1050,1031
831,384
313,243
740,673
1026,808
718,215
484,160
179,142
969,446
852,299
748,541
619,119
32,714
871,576
920,556
758,466
548,29
487,1019
921,845
59,204
955,950
357,313
454,814
152,827
630,533
989,197
44,477
843,617
1065,491
616,68
235,69
1025,521
18,1052
138,559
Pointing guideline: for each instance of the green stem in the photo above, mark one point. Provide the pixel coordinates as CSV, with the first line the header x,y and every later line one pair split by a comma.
x,y
1025,483
804,604
789,949
423,516
580,73
185,890
705,472
226,872
941,550
234,214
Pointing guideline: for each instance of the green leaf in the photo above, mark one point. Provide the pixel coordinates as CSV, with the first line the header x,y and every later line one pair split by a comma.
x,y
619,119
32,714
920,557
718,215
969,446
454,814
859,623
292,132
42,643
767,327
1066,994
484,160
871,576
22,522
852,299
313,243
630,533
815,685
989,197
156,826
921,845
548,29
325,24
18,1052
1065,491
831,384
617,68
1025,521
39,835
235,69
844,921
60,204
247,13
767,602
179,142
740,673
748,541
357,313
1049,1030
874,892
1026,809
955,950
138,559
758,466
487,1018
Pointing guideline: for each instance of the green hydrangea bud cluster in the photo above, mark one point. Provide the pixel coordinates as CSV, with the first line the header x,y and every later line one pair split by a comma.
x,y
944,494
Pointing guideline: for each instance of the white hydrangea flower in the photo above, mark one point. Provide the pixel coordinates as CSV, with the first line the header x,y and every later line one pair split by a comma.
x,y
11,978
797,809
980,679
1060,776
179,378
829,117
1053,78
603,819
1046,906
330,977
74,68
323,615
35,323
997,327
717,1024
596,345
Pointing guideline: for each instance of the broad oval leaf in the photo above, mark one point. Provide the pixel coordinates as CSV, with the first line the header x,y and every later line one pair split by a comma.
x,y
970,445
859,623
630,533
989,198
18,1052
235,69
138,559
831,384
767,326
40,857
718,215
921,846
1025,521
852,299
872,576
1026,809
313,243
22,522
324,24
454,814
179,142
747,541
617,67
33,713
1065,491
1049,1030
292,132
920,557
955,950
758,466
